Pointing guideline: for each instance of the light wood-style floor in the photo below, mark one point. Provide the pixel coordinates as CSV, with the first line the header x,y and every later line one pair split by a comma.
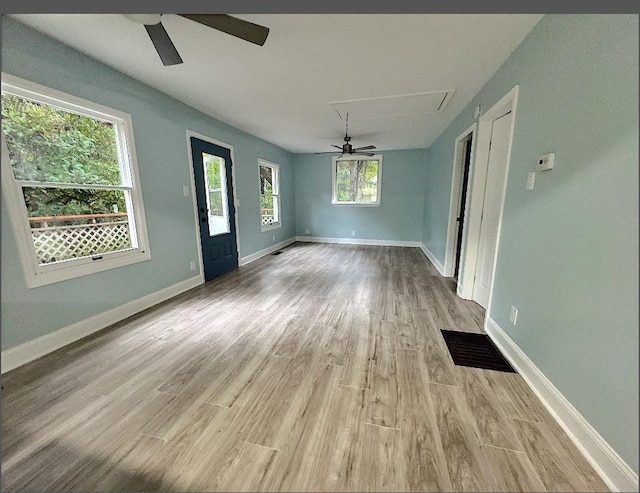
x,y
321,369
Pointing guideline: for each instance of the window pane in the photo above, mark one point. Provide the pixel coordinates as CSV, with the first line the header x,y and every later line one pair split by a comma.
x,y
52,145
267,209
72,223
357,181
215,201
266,180
216,184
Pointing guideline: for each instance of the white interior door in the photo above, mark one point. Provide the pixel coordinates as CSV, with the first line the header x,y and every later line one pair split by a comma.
x,y
494,189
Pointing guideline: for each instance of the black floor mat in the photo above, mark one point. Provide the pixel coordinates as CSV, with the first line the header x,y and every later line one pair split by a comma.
x,y
475,350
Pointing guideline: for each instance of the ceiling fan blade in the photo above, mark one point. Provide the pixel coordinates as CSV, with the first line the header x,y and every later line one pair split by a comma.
x,y
364,148
246,30
163,44
337,147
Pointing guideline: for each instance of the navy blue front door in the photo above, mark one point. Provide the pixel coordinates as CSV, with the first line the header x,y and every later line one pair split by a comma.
x,y
216,210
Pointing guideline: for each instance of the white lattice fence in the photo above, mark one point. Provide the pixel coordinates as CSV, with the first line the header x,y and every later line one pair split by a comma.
x,y
267,219
65,242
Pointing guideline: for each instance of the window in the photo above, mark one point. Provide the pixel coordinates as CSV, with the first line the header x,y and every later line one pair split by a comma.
x,y
215,177
70,182
356,180
269,195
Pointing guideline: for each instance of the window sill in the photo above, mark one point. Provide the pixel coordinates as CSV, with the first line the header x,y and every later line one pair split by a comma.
x,y
269,227
358,204
53,274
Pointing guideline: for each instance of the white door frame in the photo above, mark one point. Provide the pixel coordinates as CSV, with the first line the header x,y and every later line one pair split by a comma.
x,y
211,140
454,205
468,264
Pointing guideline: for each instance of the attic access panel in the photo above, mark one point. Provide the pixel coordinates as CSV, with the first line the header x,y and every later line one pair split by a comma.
x,y
393,106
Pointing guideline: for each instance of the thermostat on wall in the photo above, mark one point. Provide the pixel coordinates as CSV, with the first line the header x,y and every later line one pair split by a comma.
x,y
546,161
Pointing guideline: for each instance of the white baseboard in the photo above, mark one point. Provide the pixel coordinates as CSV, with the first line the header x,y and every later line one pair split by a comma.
x,y
28,351
266,251
615,472
432,258
357,241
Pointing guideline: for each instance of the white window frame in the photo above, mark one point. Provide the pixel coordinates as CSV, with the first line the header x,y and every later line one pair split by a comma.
x,y
36,274
276,195
356,157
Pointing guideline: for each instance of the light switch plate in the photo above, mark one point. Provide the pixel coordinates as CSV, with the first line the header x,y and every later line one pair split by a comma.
x,y
531,180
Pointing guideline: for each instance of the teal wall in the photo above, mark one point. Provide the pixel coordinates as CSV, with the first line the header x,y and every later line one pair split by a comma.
x,y
399,216
160,123
568,253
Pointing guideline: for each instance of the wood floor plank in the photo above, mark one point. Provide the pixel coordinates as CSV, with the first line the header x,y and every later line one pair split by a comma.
x,y
492,426
382,407
516,398
550,459
227,389
511,470
358,359
422,446
340,458
438,362
465,463
250,469
183,446
383,467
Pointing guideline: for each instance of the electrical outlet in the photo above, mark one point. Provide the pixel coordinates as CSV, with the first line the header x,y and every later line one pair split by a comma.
x,y
192,265
514,315
273,237
185,191
306,231
353,233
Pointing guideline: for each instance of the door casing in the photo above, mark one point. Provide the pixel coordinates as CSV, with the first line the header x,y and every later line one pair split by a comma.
x,y
480,162
196,217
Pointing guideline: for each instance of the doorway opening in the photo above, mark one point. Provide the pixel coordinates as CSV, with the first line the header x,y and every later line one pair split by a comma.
x,y
459,202
466,165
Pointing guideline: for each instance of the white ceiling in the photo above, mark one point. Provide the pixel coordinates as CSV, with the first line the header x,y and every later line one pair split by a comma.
x,y
281,92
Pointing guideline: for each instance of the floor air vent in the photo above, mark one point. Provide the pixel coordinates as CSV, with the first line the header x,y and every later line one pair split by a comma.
x,y
276,253
475,350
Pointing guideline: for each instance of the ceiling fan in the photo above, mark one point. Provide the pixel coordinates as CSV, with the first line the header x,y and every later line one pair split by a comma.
x,y
239,28
347,148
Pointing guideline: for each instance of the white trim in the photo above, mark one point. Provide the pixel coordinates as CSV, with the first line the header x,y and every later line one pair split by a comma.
x,y
28,351
357,241
454,206
276,173
266,251
269,227
432,258
613,470
356,157
478,178
191,133
36,274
